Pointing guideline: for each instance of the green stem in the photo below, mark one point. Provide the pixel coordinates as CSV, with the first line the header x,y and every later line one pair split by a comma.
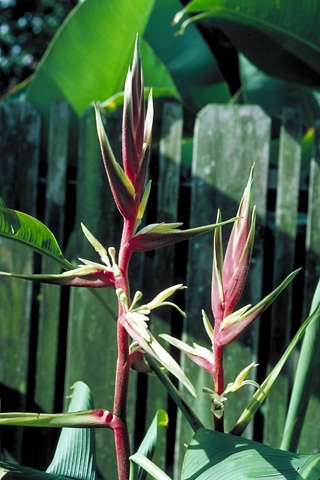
x,y
305,375
181,403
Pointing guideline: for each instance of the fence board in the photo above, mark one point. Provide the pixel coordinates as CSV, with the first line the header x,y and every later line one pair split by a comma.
x,y
54,218
20,146
228,139
91,350
284,253
309,441
162,269
226,143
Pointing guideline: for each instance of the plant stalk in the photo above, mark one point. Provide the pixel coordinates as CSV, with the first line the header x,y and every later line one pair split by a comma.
x,y
218,381
121,434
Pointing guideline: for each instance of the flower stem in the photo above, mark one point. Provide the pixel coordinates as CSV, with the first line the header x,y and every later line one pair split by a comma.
x,y
121,434
218,380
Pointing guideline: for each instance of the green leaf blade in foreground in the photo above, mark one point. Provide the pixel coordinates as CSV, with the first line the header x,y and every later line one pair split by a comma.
x,y
269,33
31,232
91,47
19,472
149,467
148,444
305,376
218,455
75,455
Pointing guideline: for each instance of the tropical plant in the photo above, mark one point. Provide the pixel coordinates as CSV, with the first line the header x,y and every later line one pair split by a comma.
x,y
211,453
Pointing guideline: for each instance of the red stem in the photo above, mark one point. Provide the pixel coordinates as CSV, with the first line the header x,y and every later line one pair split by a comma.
x,y
218,379
121,434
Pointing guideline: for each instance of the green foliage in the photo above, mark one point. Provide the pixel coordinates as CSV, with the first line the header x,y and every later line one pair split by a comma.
x,y
148,444
77,51
217,455
75,453
31,232
273,38
187,57
259,396
269,33
305,373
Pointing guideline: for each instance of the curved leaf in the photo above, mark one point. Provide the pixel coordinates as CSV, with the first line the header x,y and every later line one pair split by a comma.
x,y
98,59
25,229
280,38
149,467
148,444
218,455
307,367
75,455
159,235
274,94
188,58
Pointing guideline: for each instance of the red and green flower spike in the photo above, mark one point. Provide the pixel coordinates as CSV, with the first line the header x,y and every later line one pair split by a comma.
x,y
136,129
122,189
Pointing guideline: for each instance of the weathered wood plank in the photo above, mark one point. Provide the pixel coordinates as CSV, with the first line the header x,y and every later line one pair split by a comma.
x,y
162,269
20,127
284,251
54,218
227,141
309,441
91,349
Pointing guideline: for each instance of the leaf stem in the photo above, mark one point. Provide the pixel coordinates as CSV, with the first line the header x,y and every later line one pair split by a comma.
x,y
194,422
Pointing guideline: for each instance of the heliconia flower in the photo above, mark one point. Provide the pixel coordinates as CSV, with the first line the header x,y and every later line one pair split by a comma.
x,y
121,187
229,274
88,274
240,381
199,355
127,183
234,324
136,129
135,321
239,249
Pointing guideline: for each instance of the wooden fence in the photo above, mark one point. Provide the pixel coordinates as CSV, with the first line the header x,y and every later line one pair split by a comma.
x,y
52,337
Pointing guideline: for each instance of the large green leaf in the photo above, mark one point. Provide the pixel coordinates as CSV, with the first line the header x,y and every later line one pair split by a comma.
x,y
214,455
148,444
273,94
187,57
279,37
75,455
89,56
31,232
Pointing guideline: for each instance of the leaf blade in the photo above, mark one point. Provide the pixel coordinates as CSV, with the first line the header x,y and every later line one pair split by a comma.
x,y
23,228
217,455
